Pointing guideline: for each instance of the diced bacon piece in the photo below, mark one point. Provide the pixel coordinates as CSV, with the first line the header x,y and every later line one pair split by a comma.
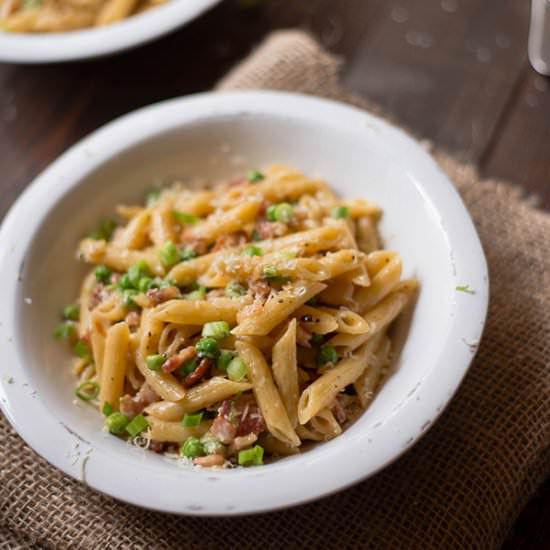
x,y
224,430
132,406
245,416
176,361
252,423
196,376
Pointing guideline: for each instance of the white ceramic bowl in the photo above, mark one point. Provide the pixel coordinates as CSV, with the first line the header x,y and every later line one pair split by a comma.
x,y
95,42
210,135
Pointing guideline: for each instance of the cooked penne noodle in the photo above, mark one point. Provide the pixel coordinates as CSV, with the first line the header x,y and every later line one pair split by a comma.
x,y
385,280
323,391
278,307
212,391
285,371
162,430
366,234
218,224
184,312
324,423
114,365
367,383
136,234
379,317
315,320
267,396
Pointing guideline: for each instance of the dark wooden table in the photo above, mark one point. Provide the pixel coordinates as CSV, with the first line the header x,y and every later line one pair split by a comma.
x,y
455,71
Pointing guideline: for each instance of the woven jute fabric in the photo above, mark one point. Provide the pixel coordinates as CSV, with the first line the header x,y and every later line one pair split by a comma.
x,y
461,486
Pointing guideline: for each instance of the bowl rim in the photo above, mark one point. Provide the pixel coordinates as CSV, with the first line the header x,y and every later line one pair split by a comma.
x,y
100,41
274,486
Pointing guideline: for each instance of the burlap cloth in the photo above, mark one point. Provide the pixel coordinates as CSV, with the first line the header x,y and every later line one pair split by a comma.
x,y
464,483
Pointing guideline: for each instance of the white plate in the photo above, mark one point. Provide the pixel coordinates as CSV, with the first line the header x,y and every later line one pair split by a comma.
x,y
95,42
215,135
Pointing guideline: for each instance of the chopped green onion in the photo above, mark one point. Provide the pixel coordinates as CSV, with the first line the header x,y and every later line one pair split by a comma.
x,y
188,367
191,420
326,354
224,359
252,250
125,282
207,347
145,284
235,289
254,176
169,254
184,217
212,445
339,212
251,457
154,362
192,448
128,298
81,349
104,231
236,370
197,294
102,274
187,254
284,212
87,390
107,409
314,302
152,197
136,272
137,425
65,331
465,288
116,423
255,236
71,312
270,213
216,329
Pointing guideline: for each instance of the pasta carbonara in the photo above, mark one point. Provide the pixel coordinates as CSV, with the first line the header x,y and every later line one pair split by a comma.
x,y
235,323
39,16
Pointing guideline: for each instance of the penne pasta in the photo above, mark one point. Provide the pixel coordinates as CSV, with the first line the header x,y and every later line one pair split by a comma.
x,y
174,432
114,365
322,392
212,391
278,306
267,396
285,371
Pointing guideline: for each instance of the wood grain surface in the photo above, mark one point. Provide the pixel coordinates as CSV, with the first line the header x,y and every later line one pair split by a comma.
x,y
453,71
